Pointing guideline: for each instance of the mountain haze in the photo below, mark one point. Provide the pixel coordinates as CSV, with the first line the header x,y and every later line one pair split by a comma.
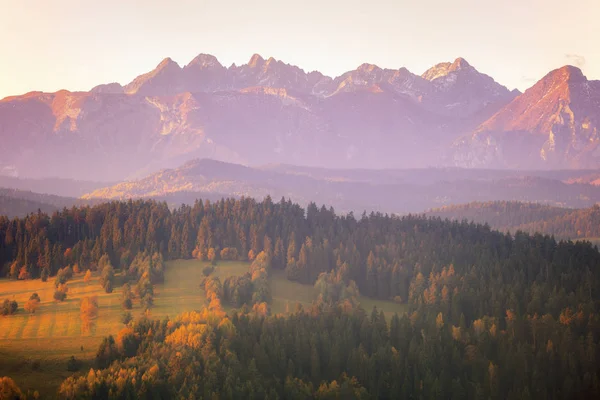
x,y
265,111
392,191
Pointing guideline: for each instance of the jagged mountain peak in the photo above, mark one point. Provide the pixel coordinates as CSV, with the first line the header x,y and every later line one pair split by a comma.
x,y
437,88
164,79
167,63
459,64
271,63
438,70
256,61
445,68
205,61
366,67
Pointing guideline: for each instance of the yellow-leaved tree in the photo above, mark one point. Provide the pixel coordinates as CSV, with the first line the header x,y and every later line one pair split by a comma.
x,y
89,312
88,276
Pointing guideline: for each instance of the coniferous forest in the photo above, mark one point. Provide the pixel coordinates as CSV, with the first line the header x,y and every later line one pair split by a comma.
x,y
490,315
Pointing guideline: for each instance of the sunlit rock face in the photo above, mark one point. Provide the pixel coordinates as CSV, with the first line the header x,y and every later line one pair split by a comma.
x,y
554,124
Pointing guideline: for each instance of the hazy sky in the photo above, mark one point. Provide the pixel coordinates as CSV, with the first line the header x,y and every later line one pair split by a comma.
x,y
75,44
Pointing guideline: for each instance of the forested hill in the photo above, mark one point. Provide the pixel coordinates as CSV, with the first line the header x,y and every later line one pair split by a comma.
x,y
491,315
16,207
18,203
563,223
584,223
501,215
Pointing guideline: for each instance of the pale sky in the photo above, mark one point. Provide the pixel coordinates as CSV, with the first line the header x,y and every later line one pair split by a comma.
x,y
76,44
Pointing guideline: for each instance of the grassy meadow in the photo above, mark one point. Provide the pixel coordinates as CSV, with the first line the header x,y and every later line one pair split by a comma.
x,y
35,348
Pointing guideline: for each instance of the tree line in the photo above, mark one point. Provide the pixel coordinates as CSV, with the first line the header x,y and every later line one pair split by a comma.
x,y
491,315
387,257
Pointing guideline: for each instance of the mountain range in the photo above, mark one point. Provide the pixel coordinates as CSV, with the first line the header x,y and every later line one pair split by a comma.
x,y
267,111
397,191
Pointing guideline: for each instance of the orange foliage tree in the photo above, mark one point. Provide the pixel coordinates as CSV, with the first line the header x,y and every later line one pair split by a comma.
x,y
89,312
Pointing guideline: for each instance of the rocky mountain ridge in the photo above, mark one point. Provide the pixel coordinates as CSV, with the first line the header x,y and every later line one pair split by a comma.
x,y
267,111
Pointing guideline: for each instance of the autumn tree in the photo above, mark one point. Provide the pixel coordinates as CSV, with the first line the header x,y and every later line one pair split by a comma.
x,y
32,304
9,307
14,270
63,275
61,292
107,275
127,297
127,341
229,254
88,276
126,317
9,389
261,309
147,301
88,312
212,256
24,273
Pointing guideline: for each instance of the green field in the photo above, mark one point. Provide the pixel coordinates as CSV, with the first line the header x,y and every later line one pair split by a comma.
x,y
53,334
